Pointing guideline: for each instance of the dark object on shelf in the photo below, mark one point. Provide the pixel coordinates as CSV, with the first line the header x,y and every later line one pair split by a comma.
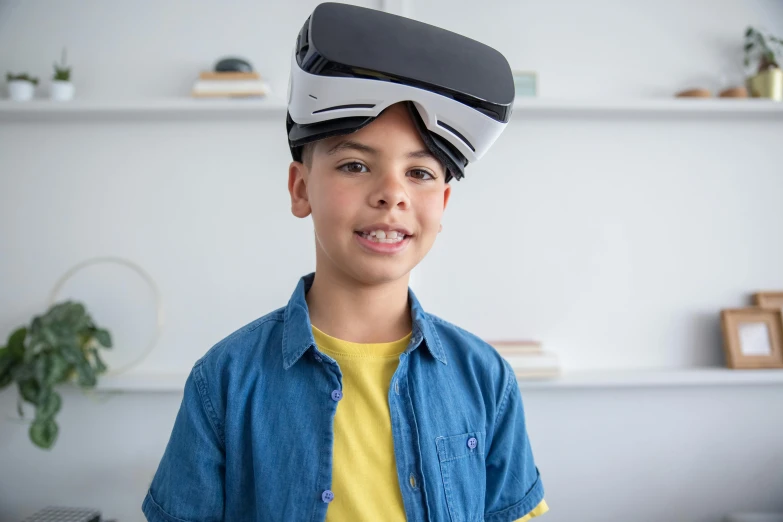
x,y
233,65
65,514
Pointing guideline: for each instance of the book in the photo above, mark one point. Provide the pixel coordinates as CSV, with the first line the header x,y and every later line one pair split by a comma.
x,y
537,374
212,88
516,347
228,76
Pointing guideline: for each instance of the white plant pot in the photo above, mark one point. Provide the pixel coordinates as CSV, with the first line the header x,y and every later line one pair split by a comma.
x,y
61,91
21,90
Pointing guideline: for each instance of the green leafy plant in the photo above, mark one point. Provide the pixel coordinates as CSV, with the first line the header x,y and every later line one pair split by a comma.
x,y
762,48
23,77
61,72
59,346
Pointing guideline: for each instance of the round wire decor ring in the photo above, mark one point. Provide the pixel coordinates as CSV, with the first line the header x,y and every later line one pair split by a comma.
x,y
144,275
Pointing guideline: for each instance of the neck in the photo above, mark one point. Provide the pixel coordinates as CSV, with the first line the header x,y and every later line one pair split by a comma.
x,y
360,313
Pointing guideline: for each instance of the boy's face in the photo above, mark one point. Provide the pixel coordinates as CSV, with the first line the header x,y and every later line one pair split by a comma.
x,y
381,177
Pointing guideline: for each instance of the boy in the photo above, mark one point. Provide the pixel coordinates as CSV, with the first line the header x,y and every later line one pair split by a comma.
x,y
352,403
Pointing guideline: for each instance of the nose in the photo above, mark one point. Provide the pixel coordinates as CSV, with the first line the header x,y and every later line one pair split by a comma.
x,y
390,192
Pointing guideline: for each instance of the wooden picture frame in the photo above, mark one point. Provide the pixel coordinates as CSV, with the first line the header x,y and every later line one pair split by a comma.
x,y
752,337
770,300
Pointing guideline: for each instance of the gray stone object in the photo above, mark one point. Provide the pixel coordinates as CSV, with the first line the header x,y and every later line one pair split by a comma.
x,y
233,65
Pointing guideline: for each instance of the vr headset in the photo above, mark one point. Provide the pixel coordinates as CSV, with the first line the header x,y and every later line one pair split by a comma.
x,y
350,63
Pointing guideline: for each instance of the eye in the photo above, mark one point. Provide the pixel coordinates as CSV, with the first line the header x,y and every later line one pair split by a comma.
x,y
422,175
352,166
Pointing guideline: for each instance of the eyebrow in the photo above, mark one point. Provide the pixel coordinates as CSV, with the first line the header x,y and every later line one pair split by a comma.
x,y
361,147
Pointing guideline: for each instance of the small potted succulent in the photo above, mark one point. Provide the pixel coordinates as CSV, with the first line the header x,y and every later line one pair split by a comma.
x,y
763,52
21,87
62,88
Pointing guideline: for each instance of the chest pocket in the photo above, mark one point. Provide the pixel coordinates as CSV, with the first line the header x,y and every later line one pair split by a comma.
x,y
463,472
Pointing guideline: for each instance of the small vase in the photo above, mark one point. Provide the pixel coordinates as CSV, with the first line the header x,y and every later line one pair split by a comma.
x,y
21,90
768,84
61,91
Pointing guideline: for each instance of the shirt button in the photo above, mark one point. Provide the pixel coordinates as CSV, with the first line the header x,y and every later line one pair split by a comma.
x,y
317,357
327,496
472,443
337,395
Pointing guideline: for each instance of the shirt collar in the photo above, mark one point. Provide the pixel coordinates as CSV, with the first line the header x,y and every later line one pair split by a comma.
x,y
298,332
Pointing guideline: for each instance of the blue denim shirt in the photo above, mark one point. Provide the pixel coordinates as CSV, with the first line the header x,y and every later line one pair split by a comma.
x,y
253,437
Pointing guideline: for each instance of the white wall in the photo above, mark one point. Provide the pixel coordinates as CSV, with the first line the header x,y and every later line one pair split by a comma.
x,y
614,240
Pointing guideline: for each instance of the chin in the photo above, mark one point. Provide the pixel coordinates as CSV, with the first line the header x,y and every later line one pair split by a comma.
x,y
378,274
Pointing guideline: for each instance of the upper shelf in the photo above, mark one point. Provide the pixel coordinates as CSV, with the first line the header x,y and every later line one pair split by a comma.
x,y
198,109
143,109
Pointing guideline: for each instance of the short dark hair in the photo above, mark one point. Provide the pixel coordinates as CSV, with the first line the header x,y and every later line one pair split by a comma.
x,y
307,154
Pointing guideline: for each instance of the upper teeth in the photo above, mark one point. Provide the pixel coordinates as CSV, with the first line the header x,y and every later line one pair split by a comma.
x,y
387,237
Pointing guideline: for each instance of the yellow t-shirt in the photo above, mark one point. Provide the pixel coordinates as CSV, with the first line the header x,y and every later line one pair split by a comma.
x,y
364,474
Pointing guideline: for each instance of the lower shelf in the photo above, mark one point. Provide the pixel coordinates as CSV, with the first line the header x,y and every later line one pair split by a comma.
x,y
658,378
686,377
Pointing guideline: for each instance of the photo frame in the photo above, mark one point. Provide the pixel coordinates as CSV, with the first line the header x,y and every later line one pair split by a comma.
x,y
525,84
769,300
752,337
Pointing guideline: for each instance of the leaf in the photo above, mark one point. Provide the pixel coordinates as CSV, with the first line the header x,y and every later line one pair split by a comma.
x,y
86,375
103,337
100,366
48,335
5,379
19,408
58,369
749,31
49,404
6,362
29,390
16,342
72,354
29,357
749,46
43,433
42,367
23,372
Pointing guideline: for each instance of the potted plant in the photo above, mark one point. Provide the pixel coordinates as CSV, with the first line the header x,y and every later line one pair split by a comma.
x,y
764,50
59,346
21,87
62,88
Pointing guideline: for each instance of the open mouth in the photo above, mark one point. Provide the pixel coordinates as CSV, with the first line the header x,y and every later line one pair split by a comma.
x,y
379,236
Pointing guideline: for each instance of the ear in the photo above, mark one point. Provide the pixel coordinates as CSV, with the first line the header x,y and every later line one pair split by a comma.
x,y
297,188
446,195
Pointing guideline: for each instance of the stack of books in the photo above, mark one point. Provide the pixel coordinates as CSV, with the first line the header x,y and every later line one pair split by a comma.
x,y
528,359
214,84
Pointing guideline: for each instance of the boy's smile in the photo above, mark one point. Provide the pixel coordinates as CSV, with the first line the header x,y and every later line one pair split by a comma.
x,y
376,197
381,238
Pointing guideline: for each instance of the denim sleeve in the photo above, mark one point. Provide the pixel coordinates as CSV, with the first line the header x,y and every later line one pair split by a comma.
x,y
189,483
514,487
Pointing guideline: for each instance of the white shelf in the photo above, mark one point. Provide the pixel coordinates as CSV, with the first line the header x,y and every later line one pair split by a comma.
x,y
161,382
651,106
152,109
690,377
687,377
198,109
